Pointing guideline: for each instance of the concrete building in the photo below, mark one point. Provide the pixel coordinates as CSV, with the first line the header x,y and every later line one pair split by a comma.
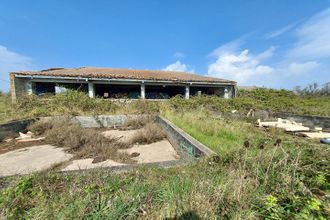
x,y
119,83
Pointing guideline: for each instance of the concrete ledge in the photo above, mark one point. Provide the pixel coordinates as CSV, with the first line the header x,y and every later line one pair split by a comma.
x,y
185,141
14,127
307,120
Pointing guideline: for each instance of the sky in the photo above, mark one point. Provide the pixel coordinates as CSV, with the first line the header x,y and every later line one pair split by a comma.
x,y
270,43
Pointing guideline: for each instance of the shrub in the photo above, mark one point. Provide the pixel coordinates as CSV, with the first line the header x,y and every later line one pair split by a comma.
x,y
151,133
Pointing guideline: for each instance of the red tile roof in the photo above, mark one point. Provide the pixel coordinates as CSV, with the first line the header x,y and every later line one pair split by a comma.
x,y
112,73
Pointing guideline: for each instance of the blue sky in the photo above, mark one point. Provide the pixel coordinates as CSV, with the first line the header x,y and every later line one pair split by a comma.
x,y
272,43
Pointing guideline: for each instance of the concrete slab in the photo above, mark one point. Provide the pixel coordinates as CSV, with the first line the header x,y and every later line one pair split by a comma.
x,y
315,134
287,125
30,159
83,164
155,152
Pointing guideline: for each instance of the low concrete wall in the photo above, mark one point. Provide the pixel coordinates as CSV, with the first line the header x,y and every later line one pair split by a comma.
x,y
187,147
184,140
306,120
14,127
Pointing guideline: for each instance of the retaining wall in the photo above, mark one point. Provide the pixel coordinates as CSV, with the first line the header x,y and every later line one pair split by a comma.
x,y
184,140
306,120
14,127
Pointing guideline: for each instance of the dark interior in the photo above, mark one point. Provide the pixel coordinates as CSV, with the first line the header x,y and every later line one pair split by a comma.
x,y
163,92
117,91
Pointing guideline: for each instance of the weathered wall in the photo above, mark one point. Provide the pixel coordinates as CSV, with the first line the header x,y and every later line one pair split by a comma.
x,y
306,120
17,86
14,127
185,141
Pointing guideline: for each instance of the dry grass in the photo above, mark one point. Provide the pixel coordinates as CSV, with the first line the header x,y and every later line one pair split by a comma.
x,y
150,133
83,143
137,122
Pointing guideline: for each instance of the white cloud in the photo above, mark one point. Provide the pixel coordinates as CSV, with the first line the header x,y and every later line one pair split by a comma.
x,y
304,61
11,61
280,31
178,55
240,66
178,67
302,68
227,48
313,38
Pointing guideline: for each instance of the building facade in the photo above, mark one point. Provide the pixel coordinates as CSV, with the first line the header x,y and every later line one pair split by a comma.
x,y
113,83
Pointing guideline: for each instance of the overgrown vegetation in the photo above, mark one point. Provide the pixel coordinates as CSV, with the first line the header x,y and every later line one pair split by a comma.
x,y
83,143
77,103
261,174
150,133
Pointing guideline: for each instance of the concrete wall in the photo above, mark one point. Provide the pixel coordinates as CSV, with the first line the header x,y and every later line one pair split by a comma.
x,y
12,128
306,120
184,141
18,86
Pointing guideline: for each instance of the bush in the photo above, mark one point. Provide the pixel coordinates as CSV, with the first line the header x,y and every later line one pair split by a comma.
x,y
151,133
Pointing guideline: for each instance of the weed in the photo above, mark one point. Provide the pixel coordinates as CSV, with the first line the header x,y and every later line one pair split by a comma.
x,y
150,133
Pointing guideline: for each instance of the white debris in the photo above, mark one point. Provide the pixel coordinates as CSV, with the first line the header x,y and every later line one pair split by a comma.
x,y
315,134
287,125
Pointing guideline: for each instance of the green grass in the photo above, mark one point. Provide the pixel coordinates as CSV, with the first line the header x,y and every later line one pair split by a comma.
x,y
222,136
290,181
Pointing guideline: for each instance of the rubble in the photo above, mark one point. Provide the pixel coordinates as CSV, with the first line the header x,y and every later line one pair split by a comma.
x,y
287,125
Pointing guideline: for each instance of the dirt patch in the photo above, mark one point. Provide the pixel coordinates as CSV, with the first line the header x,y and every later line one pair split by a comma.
x,y
154,152
14,145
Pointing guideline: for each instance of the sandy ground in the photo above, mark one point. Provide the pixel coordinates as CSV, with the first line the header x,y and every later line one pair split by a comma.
x,y
30,159
41,157
155,152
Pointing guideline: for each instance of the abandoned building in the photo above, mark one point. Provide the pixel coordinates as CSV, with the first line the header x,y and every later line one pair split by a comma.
x,y
119,83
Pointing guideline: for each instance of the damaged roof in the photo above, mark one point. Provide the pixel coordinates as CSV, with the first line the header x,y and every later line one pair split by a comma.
x,y
113,73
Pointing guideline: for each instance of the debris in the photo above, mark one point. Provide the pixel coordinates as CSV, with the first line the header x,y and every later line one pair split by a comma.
x,y
30,140
325,140
135,154
315,134
22,136
8,140
250,113
287,125
233,111
99,159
